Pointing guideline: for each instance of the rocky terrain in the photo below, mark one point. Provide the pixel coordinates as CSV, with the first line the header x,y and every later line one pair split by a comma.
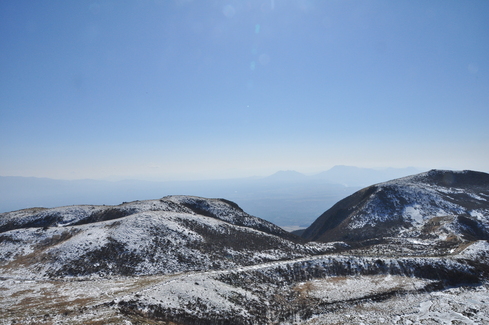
x,y
408,251
174,234
443,205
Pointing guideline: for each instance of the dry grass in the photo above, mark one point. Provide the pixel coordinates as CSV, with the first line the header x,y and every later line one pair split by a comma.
x,y
68,302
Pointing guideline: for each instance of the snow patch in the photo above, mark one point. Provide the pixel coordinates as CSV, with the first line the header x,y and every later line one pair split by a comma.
x,y
414,213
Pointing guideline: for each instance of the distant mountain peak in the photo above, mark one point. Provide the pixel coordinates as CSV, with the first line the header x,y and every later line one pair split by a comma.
x,y
286,175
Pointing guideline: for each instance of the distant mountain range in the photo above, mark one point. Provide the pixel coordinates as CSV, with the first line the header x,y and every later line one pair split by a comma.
x,y
286,198
346,175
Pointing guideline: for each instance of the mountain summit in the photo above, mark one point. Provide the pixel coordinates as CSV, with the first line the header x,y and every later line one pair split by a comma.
x,y
286,175
435,203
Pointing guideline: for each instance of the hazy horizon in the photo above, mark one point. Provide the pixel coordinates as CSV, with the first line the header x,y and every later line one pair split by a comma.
x,y
187,90
286,198
118,178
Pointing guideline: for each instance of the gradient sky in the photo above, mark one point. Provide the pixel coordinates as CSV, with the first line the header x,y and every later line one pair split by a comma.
x,y
215,89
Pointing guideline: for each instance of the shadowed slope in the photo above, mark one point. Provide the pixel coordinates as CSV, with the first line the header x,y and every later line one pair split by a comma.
x,y
398,206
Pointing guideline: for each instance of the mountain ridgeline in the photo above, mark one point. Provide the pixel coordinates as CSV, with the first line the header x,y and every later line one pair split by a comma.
x,y
442,204
173,234
286,198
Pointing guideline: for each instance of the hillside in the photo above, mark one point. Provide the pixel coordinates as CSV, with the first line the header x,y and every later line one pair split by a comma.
x,y
447,206
174,234
414,251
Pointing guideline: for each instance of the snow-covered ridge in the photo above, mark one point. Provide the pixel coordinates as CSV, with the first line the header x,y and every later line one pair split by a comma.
x,y
84,214
81,214
431,194
220,209
292,291
400,205
173,234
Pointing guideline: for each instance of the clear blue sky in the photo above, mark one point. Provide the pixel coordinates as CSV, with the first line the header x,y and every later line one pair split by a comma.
x,y
214,89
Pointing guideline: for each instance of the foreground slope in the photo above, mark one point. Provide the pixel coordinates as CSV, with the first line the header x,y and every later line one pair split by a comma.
x,y
304,290
174,234
448,205
327,289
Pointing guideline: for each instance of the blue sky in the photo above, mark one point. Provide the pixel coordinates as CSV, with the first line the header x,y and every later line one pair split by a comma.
x,y
216,89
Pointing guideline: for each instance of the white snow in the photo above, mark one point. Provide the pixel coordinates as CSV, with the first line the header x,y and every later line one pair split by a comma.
x,y
414,213
478,251
415,201
335,289
464,305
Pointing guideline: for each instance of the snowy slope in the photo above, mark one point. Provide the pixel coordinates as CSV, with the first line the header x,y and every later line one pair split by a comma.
x,y
174,234
299,291
76,215
407,207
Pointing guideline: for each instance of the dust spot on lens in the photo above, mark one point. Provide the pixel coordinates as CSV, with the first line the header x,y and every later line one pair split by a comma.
x,y
229,11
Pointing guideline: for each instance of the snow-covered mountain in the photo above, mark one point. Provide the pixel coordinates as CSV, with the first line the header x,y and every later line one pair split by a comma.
x,y
445,205
173,234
